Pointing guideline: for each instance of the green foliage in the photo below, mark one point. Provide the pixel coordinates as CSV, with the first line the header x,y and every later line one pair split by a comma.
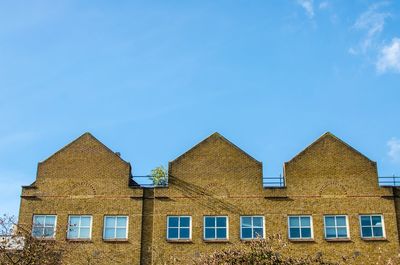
x,y
159,176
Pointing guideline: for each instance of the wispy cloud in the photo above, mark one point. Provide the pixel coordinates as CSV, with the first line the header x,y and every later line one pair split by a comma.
x,y
372,22
389,57
308,6
394,149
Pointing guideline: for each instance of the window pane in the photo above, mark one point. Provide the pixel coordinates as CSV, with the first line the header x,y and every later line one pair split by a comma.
x,y
258,232
376,220
366,231
72,232
294,233
294,221
50,220
221,233
173,233
210,233
342,232
49,232
330,221
37,232
85,221
121,233
74,221
306,232
38,220
221,221
84,233
257,222
246,233
365,221
110,221
246,221
330,232
109,233
210,222
305,221
184,221
173,221
121,221
184,233
341,221
378,231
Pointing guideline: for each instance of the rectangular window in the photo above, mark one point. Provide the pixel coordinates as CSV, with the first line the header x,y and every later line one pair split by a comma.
x,y
115,228
372,226
336,227
215,228
79,227
300,227
251,227
179,227
44,226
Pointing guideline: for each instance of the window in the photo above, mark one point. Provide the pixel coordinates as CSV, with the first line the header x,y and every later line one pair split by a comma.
x,y
336,227
215,228
300,227
79,227
115,228
179,227
251,227
44,226
372,226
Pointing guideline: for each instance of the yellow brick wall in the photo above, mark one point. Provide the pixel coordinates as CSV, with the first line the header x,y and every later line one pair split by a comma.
x,y
213,178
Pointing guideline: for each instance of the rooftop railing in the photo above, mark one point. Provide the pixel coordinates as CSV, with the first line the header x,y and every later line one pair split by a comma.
x,y
393,181
268,182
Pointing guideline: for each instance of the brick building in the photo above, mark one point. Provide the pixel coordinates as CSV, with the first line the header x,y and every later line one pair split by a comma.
x,y
330,202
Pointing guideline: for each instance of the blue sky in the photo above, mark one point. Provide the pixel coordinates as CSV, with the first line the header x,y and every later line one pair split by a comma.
x,y
150,79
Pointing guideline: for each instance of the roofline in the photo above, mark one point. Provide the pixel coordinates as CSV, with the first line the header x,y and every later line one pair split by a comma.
x,y
211,135
91,135
335,137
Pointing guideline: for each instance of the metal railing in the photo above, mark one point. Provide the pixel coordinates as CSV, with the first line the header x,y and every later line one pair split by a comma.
x,y
393,181
147,182
267,182
274,182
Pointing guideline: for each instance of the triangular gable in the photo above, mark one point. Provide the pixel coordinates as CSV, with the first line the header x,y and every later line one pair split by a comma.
x,y
323,137
84,136
215,135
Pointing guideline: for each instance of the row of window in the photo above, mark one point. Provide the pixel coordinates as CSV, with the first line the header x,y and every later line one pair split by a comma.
x,y
215,227
80,227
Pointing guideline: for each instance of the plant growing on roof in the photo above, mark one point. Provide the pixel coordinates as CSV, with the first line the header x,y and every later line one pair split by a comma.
x,y
159,176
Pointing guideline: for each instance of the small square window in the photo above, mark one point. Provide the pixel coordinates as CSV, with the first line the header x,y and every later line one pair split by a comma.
x,y
372,226
336,227
251,227
44,226
115,227
79,227
179,227
300,227
215,228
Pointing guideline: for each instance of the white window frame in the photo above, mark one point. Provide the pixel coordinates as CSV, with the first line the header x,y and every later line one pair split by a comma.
x,y
44,226
372,226
79,227
252,226
115,238
300,227
336,227
179,227
215,228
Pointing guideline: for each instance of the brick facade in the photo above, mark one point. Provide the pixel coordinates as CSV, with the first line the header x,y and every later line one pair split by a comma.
x,y
213,178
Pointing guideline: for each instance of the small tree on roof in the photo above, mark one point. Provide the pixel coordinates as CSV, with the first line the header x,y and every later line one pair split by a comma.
x,y
159,176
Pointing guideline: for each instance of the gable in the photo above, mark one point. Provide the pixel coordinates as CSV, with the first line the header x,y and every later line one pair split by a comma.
x,y
83,145
329,145
209,144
